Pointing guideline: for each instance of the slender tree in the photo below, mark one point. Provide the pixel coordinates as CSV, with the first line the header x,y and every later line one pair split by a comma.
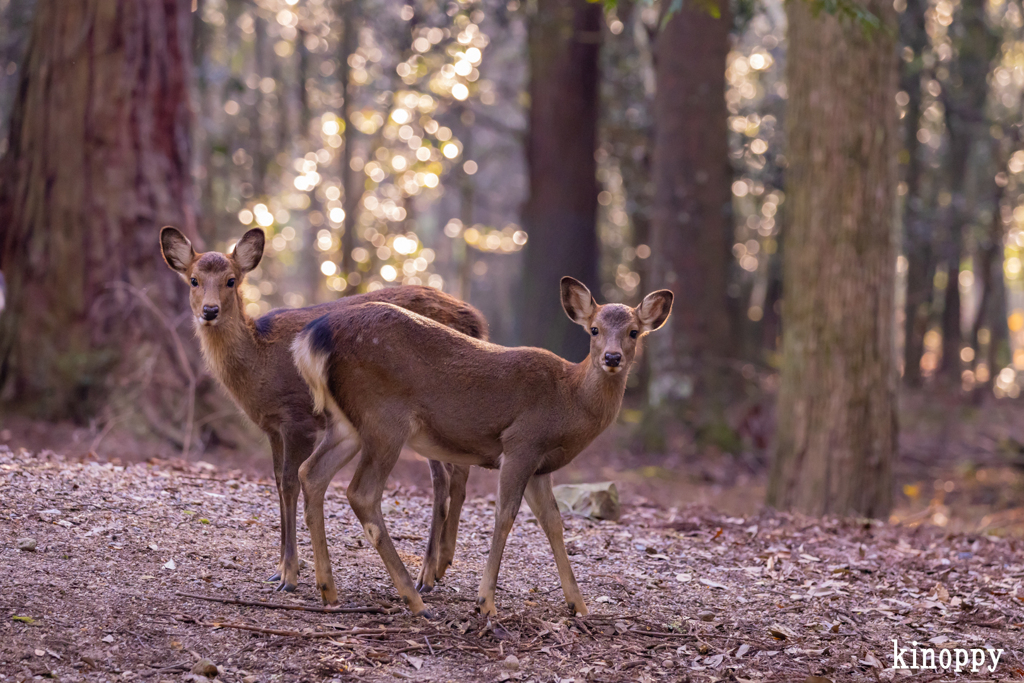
x,y
837,424
97,161
964,100
691,227
561,210
917,233
351,194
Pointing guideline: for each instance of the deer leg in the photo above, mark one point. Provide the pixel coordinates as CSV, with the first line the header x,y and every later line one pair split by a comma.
x,y
277,451
339,444
297,445
511,484
440,477
450,533
542,501
380,453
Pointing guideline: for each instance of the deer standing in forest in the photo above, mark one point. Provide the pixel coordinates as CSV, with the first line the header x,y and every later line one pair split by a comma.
x,y
388,377
252,359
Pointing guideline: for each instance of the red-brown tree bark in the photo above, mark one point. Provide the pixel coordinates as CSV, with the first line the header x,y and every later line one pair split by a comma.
x,y
97,161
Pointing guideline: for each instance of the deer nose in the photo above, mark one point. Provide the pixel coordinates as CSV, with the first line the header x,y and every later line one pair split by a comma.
x,y
612,359
210,312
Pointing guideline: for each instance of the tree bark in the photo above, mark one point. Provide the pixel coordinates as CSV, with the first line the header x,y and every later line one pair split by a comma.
x,y
837,426
917,238
98,160
975,46
351,194
560,213
691,224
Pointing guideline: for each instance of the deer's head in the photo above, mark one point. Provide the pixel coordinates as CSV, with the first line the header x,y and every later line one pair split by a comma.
x,y
213,277
614,329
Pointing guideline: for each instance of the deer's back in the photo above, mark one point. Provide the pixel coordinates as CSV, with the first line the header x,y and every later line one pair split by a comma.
x,y
461,395
261,375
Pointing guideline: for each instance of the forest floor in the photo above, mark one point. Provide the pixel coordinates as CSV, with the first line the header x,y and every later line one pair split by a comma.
x,y
682,594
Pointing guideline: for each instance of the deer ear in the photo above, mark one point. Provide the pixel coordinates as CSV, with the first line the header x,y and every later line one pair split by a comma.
x,y
654,310
249,250
177,250
577,301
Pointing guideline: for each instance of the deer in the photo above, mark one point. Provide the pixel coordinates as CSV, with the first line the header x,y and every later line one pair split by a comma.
x,y
252,360
386,377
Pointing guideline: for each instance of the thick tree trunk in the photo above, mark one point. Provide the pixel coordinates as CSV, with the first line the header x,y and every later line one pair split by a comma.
x,y
691,226
561,211
837,399
98,160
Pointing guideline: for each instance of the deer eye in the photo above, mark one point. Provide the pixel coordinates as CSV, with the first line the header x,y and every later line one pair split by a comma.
x,y
593,331
231,282
632,334
195,282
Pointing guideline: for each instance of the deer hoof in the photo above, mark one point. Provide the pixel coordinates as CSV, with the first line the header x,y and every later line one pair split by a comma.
x,y
274,579
286,587
427,614
485,607
422,587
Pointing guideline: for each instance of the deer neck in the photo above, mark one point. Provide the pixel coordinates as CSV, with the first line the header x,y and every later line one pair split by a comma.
x,y
599,393
230,350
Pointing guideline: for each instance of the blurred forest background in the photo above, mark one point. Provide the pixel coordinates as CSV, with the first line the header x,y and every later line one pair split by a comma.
x,y
834,189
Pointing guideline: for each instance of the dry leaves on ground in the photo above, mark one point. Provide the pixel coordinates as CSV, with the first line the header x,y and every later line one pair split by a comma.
x,y
103,592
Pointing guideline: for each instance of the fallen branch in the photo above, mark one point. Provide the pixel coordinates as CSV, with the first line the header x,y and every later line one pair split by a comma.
x,y
660,634
298,634
299,608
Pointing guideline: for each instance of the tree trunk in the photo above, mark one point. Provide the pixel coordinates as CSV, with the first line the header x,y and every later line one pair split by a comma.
x,y
990,277
98,160
917,238
975,46
351,193
560,213
691,224
837,426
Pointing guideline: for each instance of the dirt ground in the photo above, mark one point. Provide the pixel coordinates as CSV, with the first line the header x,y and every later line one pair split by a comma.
x,y
678,593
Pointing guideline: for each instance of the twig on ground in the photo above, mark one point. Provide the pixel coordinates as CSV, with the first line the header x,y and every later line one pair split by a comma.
x,y
199,477
299,608
661,634
296,634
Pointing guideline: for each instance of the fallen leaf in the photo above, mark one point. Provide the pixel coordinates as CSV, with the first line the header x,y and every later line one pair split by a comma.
x,y
871,660
781,632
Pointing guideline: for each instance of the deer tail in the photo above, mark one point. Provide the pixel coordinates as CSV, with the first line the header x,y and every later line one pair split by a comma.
x,y
311,352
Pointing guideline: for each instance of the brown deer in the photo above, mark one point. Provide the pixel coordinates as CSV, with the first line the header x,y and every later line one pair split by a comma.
x,y
252,359
389,377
